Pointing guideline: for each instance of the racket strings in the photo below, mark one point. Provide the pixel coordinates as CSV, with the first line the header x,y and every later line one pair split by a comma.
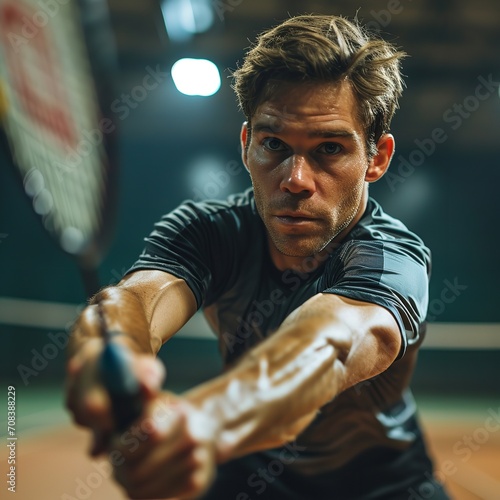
x,y
51,119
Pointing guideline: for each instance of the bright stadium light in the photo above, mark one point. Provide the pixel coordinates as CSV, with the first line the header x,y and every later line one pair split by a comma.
x,y
184,18
196,77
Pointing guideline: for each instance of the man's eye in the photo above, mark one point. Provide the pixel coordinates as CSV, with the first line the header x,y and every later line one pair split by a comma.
x,y
330,148
273,144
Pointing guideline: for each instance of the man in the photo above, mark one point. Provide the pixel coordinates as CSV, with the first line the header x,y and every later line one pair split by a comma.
x,y
317,296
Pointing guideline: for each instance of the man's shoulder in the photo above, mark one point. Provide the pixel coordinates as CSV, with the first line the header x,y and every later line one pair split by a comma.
x,y
217,220
236,203
376,224
382,234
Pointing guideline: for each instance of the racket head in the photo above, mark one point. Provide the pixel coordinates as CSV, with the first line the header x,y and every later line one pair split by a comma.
x,y
57,73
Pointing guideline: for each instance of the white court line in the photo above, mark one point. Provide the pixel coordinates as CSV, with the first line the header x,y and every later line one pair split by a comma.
x,y
57,316
462,336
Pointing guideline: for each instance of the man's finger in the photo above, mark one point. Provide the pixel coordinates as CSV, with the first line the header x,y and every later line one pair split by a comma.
x,y
179,472
151,431
151,374
100,442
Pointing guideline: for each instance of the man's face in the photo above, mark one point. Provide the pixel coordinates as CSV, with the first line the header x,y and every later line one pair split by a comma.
x,y
308,162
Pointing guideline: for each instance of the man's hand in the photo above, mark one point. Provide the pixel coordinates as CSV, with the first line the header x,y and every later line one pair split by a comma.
x,y
87,399
137,308
168,451
172,452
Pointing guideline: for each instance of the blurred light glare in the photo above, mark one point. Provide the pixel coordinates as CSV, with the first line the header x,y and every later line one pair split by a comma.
x,y
196,77
184,18
208,179
412,198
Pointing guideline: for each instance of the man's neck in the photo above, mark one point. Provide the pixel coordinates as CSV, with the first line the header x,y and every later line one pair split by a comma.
x,y
307,264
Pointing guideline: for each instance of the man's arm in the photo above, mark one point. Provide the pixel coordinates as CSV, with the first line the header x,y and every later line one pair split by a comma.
x,y
146,309
147,306
328,344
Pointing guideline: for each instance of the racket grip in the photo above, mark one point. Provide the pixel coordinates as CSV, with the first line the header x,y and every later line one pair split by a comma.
x,y
122,385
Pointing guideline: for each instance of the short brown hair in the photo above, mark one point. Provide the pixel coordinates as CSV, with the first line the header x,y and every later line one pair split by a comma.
x,y
320,48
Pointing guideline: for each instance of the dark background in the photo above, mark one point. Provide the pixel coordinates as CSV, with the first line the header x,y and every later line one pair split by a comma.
x,y
172,147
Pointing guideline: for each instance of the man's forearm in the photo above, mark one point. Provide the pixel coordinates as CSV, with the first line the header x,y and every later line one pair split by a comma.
x,y
273,393
146,307
276,390
122,313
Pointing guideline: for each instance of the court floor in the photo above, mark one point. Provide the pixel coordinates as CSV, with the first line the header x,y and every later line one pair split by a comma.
x,y
52,463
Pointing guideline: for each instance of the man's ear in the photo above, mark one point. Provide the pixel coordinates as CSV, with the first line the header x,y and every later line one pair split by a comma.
x,y
244,137
380,162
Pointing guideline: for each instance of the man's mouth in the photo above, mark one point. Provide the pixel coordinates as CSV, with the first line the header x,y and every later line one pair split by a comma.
x,y
295,213
295,218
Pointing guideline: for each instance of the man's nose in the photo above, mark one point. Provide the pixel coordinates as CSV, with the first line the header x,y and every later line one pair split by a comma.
x,y
298,176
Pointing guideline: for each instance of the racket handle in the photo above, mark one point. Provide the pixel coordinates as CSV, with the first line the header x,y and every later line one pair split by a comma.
x,y
122,385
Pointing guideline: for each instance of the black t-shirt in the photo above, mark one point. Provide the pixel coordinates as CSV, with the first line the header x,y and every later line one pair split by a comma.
x,y
220,249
